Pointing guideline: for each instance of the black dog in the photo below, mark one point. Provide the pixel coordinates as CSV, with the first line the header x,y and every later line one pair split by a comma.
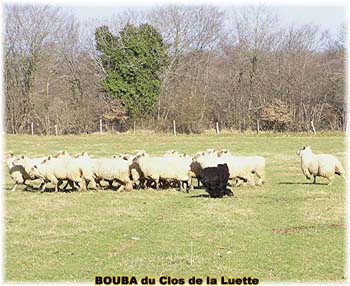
x,y
215,179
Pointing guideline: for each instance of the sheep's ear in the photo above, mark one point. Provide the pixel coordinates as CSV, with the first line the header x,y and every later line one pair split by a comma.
x,y
49,157
35,166
22,156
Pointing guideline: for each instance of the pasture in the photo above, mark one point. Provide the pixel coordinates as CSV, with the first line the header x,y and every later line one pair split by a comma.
x,y
286,230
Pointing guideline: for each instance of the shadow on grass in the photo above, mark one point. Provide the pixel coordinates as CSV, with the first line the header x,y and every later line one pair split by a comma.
x,y
199,196
300,183
207,196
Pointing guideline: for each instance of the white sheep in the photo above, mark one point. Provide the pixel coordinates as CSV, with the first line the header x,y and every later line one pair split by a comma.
x,y
322,165
240,167
20,167
55,170
86,164
17,172
113,169
165,168
248,165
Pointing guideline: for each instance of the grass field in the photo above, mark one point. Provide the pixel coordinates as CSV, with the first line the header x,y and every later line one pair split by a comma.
x,y
287,230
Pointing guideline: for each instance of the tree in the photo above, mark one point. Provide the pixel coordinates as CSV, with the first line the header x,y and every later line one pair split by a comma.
x,y
133,62
275,115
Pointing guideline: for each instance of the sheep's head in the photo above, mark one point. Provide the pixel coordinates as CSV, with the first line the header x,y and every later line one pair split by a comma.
x,y
223,152
9,160
304,150
78,155
210,151
8,155
197,155
20,161
61,154
126,157
139,155
34,172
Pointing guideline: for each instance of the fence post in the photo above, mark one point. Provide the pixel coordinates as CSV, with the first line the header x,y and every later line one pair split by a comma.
x,y
134,127
174,127
56,131
257,126
217,128
32,127
313,127
100,126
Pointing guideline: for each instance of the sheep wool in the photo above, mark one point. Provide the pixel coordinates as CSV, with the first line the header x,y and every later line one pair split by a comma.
x,y
319,165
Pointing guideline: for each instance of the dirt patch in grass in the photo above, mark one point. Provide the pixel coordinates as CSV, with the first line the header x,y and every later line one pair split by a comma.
x,y
294,229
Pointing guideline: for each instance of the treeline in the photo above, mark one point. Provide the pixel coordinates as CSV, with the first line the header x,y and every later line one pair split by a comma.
x,y
239,67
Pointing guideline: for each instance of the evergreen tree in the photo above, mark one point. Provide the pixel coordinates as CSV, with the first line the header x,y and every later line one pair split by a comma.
x,y
133,61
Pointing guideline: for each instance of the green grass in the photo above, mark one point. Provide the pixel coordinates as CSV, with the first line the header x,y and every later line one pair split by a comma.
x,y
287,230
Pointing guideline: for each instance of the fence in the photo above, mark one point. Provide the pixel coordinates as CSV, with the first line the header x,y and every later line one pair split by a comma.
x,y
103,128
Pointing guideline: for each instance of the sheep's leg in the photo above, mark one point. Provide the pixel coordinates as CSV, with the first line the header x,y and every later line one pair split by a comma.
x,y
82,185
142,184
261,176
330,179
93,183
14,187
307,174
228,192
157,184
55,182
189,185
88,180
128,186
59,184
251,180
237,182
72,184
344,177
43,187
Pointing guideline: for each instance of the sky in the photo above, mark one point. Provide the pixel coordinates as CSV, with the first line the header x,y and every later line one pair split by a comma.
x,y
327,17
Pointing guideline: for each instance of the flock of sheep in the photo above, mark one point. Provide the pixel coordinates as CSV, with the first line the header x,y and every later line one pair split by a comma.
x,y
212,168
